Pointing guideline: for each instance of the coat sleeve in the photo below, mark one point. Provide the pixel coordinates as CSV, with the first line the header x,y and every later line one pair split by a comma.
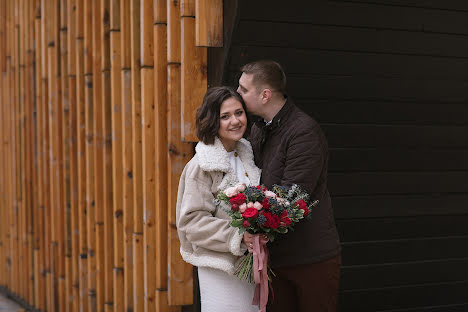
x,y
196,220
304,160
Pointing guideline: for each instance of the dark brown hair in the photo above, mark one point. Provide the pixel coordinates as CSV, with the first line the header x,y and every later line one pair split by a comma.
x,y
266,72
207,119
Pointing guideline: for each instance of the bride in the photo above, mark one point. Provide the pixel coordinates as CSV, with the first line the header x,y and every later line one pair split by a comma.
x,y
223,158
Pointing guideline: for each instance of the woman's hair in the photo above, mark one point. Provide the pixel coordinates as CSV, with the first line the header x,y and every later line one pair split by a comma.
x,y
207,119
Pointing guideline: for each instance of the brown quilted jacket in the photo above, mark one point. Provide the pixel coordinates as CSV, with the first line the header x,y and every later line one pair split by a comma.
x,y
294,150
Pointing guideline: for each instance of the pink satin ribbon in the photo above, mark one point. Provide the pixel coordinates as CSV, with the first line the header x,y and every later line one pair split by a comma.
x,y
260,267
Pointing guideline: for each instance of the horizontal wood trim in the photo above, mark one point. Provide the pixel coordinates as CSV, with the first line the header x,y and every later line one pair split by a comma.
x,y
399,274
405,297
349,38
404,250
402,228
384,112
391,136
454,5
389,159
437,204
446,308
369,87
373,87
357,14
364,183
356,63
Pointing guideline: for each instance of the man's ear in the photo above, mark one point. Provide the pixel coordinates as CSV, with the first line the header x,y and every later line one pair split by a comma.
x,y
266,95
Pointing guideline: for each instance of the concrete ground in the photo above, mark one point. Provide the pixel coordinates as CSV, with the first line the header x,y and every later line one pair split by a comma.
x,y
8,305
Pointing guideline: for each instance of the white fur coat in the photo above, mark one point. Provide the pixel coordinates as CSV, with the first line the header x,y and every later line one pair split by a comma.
x,y
206,238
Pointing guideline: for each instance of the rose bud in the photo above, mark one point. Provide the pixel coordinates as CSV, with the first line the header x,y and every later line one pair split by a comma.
x,y
246,223
235,207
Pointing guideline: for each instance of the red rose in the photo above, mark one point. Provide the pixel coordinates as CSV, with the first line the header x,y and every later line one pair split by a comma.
x,y
235,207
274,222
239,199
246,223
250,213
258,187
302,205
285,221
266,204
267,216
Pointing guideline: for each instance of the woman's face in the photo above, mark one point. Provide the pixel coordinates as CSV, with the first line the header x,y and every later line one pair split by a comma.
x,y
232,123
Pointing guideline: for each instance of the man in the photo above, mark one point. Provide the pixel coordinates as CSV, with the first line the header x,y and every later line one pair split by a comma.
x,y
290,148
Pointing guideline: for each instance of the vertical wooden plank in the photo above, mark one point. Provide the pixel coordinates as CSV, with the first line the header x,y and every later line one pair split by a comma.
x,y
98,153
194,75
3,163
8,166
187,8
81,157
127,137
15,149
66,297
55,125
3,40
21,91
138,268
149,189
180,280
90,161
162,303
31,181
160,87
180,288
108,163
39,257
73,298
46,158
130,285
117,156
148,152
209,23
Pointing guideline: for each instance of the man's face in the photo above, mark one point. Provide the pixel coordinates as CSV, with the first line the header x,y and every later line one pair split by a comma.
x,y
249,93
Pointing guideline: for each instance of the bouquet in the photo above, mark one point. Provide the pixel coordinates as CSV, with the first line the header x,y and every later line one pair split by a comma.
x,y
257,210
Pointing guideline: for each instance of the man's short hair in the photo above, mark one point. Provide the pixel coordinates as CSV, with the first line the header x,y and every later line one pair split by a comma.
x,y
267,73
207,118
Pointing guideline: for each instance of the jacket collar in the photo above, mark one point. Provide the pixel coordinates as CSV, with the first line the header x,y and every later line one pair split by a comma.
x,y
279,118
215,158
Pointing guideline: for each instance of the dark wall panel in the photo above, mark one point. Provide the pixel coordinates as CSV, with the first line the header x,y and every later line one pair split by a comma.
x,y
387,80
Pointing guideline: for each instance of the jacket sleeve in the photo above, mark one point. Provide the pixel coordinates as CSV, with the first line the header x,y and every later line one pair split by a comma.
x,y
197,221
304,160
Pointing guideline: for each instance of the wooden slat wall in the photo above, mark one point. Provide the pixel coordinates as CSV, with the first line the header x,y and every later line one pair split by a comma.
x,y
92,111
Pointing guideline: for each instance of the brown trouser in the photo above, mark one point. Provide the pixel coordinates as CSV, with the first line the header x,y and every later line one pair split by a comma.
x,y
308,287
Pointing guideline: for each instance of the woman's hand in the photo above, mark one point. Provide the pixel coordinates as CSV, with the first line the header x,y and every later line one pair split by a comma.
x,y
249,240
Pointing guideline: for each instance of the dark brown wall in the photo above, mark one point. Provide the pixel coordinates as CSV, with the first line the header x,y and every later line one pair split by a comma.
x,y
388,82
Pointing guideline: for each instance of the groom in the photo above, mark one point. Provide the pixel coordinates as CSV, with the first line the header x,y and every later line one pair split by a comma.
x,y
290,148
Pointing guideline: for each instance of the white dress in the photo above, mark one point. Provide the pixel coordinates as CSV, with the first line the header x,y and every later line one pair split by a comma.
x,y
219,291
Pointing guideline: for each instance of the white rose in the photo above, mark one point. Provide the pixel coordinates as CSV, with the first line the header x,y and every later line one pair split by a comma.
x,y
258,206
242,207
231,191
240,187
270,194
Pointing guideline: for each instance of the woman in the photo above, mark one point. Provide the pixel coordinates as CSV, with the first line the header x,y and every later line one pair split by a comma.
x,y
223,158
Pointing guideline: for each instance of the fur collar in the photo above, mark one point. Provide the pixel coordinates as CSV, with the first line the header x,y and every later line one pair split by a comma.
x,y
214,158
